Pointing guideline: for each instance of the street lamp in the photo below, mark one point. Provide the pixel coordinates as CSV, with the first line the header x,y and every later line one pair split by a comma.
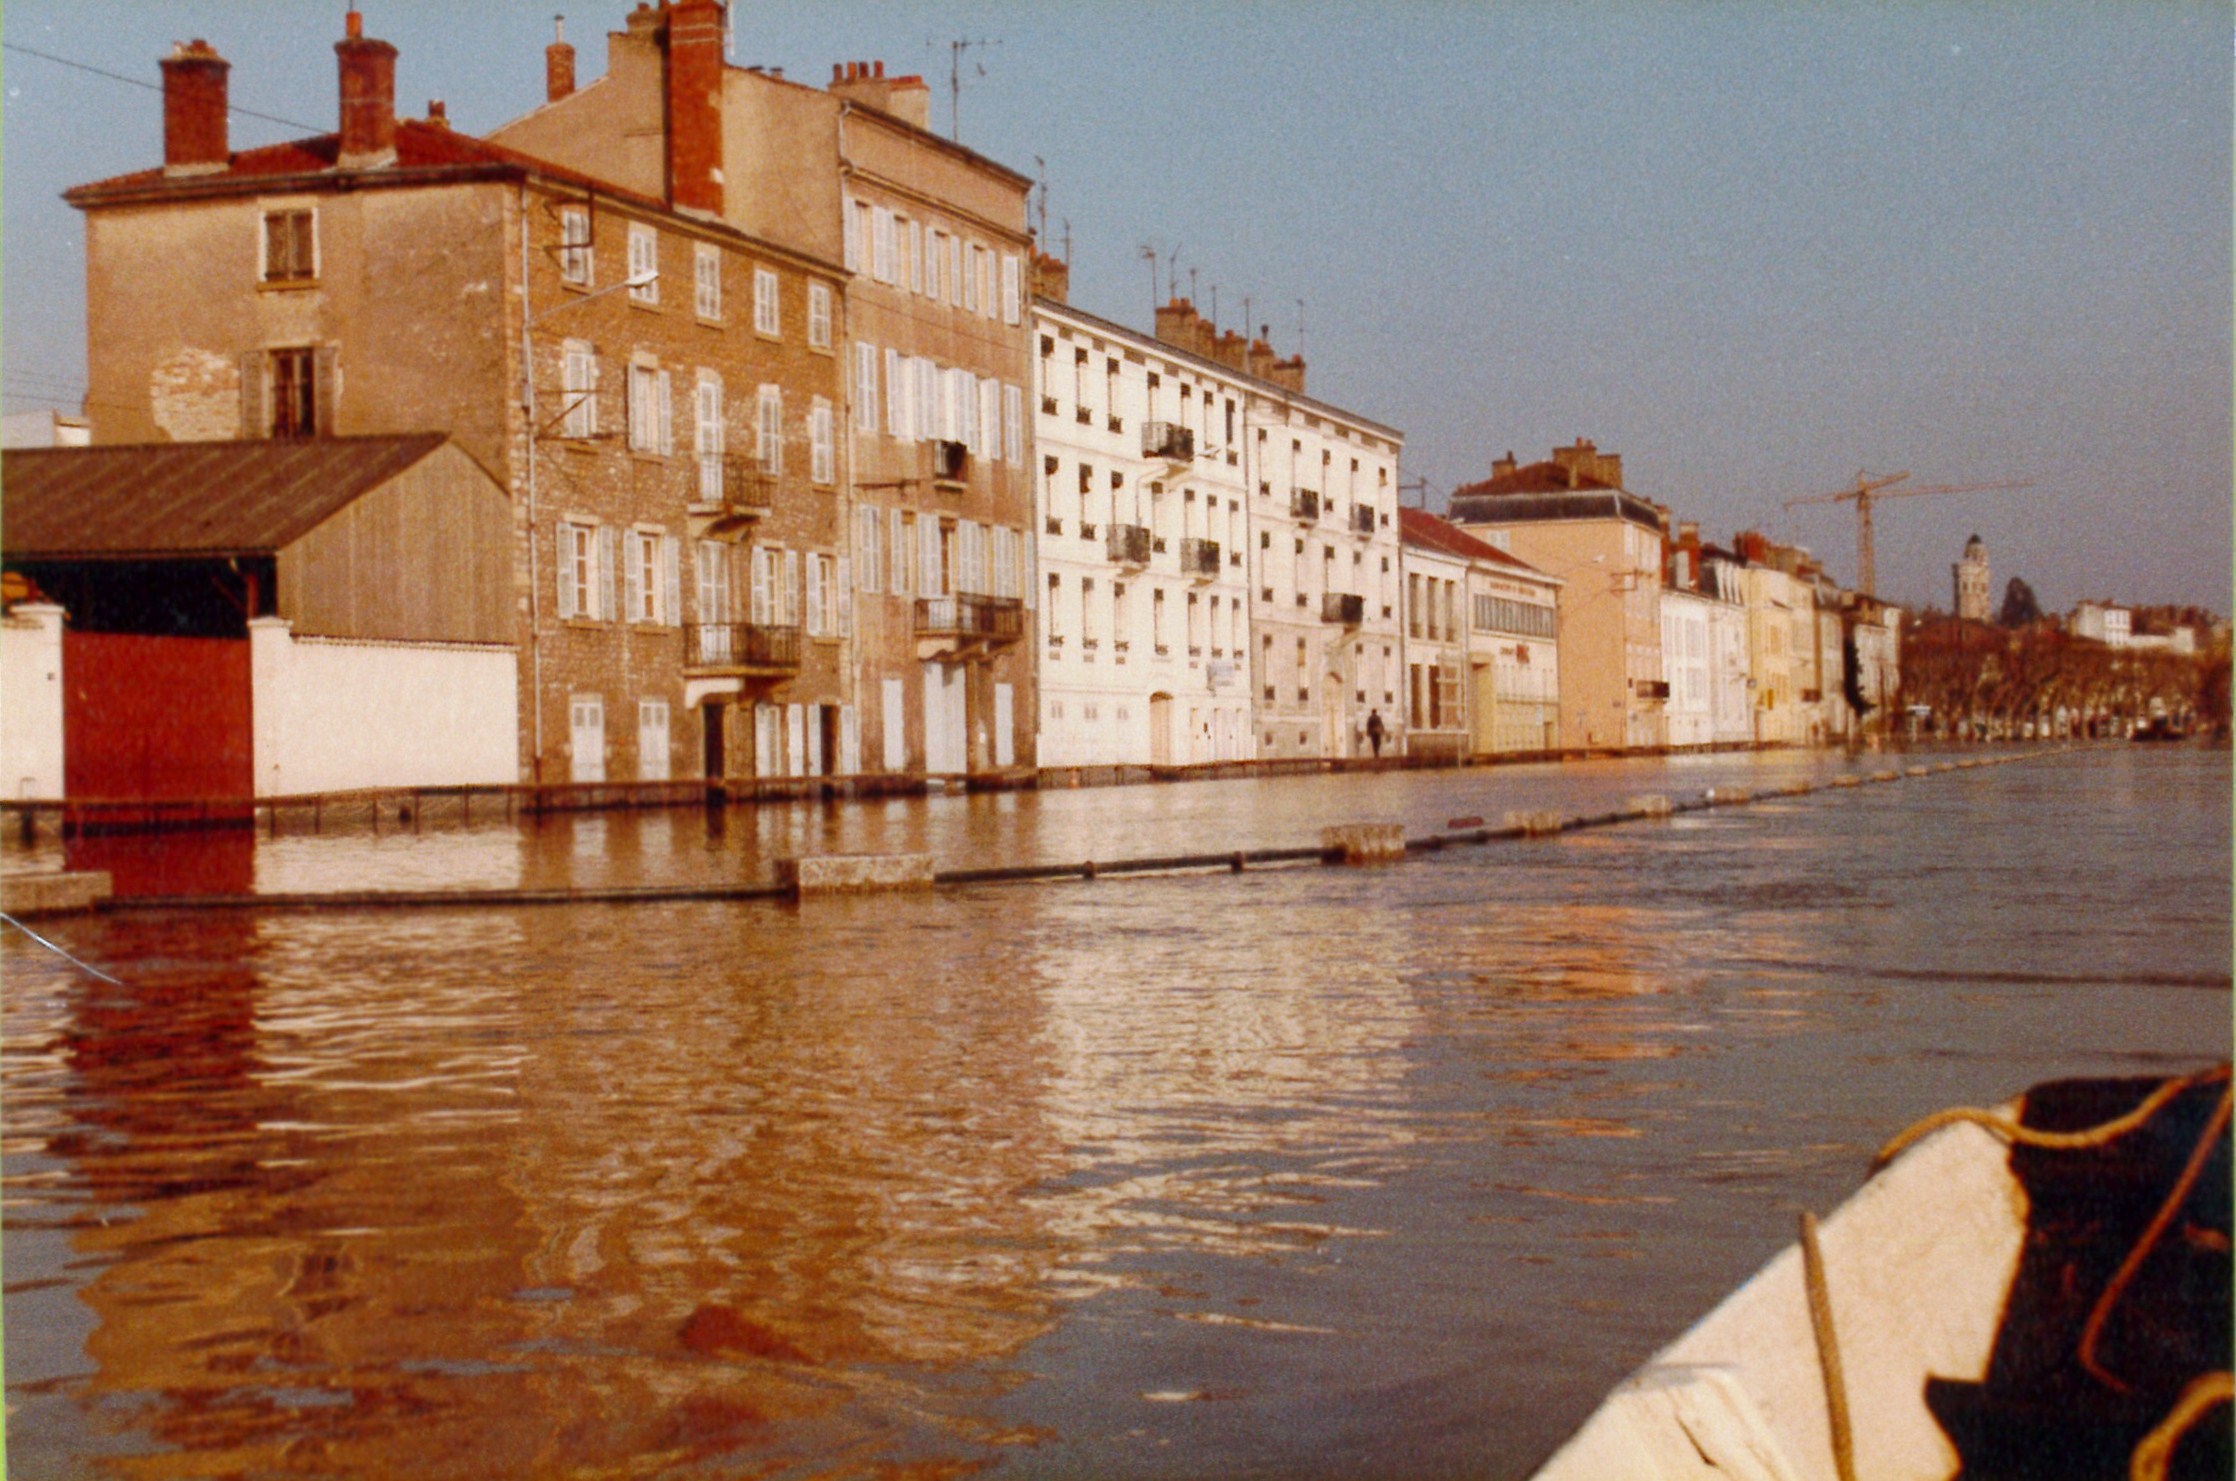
x,y
529,321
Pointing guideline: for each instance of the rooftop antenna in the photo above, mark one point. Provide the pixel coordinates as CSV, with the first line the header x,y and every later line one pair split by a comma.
x,y
1172,274
1067,241
1191,285
1149,251
1042,166
1300,329
955,50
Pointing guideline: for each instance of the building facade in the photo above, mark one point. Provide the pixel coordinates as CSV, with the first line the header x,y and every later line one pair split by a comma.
x,y
1510,688
929,570
1570,517
650,384
1143,625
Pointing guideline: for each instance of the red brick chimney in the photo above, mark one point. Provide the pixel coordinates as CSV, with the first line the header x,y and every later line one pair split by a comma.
x,y
1051,278
1500,467
558,64
368,98
194,109
695,106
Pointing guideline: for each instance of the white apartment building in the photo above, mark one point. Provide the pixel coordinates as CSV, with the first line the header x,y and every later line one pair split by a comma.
x,y
1512,693
1731,680
1438,582
1688,666
1142,530
2104,623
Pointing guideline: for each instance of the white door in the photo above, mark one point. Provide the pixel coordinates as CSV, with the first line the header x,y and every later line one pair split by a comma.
x,y
1160,730
815,739
850,741
795,734
652,740
946,724
896,727
587,729
1005,725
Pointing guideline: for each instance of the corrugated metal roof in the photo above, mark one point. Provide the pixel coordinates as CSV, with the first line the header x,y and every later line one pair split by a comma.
x,y
189,498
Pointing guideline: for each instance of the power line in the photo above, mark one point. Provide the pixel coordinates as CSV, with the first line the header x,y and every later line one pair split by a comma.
x,y
153,87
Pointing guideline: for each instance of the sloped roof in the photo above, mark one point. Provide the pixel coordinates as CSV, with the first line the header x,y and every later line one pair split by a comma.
x,y
1419,527
189,498
422,149
1535,478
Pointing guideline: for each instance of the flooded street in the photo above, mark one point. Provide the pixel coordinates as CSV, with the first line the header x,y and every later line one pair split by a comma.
x,y
1301,1172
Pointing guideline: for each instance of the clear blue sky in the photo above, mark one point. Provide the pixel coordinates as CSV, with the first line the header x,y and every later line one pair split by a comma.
x,y
1752,247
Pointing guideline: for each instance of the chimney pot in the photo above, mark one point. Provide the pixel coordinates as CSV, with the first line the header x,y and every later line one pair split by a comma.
x,y
878,69
194,113
437,114
353,26
838,71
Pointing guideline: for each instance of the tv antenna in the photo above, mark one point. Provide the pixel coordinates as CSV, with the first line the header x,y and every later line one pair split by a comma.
x,y
1149,252
955,50
1172,273
1042,165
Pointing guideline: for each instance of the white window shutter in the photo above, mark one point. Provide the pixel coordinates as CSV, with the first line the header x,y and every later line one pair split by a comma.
x,y
667,413
850,740
865,388
632,567
790,616
851,220
815,596
757,584
897,528
895,403
671,582
566,564
927,546
845,597
1013,424
1011,287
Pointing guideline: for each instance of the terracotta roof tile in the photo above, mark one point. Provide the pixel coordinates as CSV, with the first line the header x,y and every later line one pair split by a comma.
x,y
1419,527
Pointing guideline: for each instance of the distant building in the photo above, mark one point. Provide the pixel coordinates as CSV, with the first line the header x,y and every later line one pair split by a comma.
x,y
2103,623
1971,575
1482,645
44,429
1570,517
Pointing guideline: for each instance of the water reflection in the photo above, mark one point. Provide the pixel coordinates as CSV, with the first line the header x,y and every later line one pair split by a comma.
x,y
1003,1176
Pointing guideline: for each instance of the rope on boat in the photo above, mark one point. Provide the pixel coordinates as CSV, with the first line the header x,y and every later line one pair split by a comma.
x,y
2175,1198
2028,1136
1828,1350
2156,1451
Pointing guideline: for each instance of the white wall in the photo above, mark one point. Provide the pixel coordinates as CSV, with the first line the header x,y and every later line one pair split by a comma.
x,y
31,702
333,714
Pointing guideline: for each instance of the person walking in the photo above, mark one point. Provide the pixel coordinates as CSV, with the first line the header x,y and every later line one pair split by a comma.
x,y
1375,730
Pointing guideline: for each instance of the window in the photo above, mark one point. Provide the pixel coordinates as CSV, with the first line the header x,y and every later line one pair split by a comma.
x,y
935,263
585,570
822,462
574,245
882,266
294,393
712,559
1013,425
706,281
865,388
290,246
652,577
827,596
644,262
708,439
768,430
819,316
578,389
651,423
765,317
970,278
850,224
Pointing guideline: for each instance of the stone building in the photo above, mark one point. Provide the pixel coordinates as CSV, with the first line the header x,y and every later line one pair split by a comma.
x,y
652,384
1503,638
928,353
1971,577
1571,517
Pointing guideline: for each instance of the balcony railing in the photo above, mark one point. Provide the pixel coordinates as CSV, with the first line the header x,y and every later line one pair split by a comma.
x,y
740,645
1168,440
1343,607
997,619
1362,519
1199,558
1129,545
1304,504
730,490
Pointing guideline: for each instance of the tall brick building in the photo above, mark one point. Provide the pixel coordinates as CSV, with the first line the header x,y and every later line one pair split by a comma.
x,y
656,387
937,495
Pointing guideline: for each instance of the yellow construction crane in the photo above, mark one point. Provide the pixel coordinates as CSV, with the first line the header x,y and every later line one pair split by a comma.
x,y
1866,490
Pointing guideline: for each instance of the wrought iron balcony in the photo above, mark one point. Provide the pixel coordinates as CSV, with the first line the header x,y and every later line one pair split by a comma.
x,y
1129,545
993,619
1343,607
1362,519
1170,441
729,491
1199,558
1304,504
741,646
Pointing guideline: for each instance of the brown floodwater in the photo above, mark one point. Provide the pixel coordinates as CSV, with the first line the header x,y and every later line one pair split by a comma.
x,y
1301,1172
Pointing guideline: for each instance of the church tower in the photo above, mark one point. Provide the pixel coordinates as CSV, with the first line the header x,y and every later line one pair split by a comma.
x,y
1972,581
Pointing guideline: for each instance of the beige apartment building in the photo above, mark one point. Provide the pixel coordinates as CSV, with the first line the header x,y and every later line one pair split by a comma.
x,y
650,382
932,346
1482,640
1570,517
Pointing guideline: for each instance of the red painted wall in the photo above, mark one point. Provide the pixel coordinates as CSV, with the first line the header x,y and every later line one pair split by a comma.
x,y
149,717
